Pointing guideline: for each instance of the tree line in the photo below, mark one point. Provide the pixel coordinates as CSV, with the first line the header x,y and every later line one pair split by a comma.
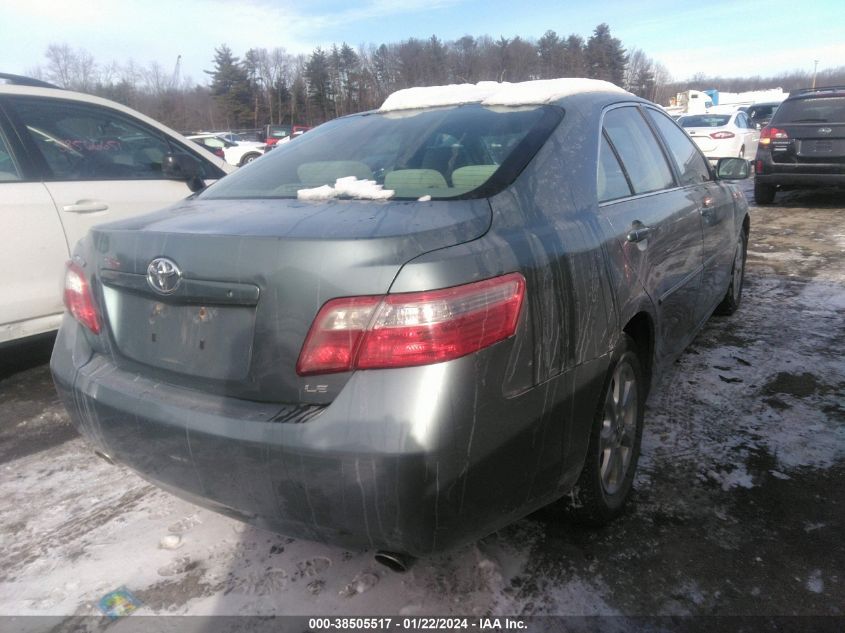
x,y
272,86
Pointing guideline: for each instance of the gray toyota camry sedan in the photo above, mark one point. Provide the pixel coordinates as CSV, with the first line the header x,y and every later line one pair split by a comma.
x,y
411,326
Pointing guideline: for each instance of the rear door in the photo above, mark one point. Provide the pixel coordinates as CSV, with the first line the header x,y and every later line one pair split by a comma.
x,y
32,246
99,164
655,221
715,203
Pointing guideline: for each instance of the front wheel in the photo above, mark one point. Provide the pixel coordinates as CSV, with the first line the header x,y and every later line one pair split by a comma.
x,y
730,303
606,480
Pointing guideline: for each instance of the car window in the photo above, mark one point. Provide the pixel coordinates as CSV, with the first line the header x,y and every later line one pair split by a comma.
x,y
458,151
704,120
87,142
8,169
691,164
212,142
814,110
611,182
638,149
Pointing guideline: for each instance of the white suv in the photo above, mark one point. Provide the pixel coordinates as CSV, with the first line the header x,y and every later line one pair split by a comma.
x,y
238,154
69,161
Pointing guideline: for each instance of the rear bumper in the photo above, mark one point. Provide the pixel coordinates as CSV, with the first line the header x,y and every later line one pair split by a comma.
x,y
413,460
799,174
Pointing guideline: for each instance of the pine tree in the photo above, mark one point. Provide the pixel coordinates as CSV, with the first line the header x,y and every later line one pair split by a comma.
x,y
317,72
605,56
230,88
551,51
574,62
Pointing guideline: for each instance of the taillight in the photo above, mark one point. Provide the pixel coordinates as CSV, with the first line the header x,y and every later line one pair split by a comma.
x,y
768,134
415,328
78,298
217,151
722,135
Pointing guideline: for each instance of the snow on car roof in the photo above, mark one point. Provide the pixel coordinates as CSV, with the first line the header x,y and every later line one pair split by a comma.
x,y
492,93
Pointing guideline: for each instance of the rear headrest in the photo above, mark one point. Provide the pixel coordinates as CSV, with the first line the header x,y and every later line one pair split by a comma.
x,y
472,176
414,179
327,172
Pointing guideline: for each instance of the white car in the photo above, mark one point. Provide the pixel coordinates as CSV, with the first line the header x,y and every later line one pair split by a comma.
x,y
722,135
69,161
237,154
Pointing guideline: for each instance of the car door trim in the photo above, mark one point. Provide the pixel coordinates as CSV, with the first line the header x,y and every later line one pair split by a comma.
x,y
683,282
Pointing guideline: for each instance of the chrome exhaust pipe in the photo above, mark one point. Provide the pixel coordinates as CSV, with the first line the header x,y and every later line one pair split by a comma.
x,y
104,456
395,561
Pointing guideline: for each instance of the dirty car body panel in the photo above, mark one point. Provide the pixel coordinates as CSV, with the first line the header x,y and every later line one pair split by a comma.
x,y
198,391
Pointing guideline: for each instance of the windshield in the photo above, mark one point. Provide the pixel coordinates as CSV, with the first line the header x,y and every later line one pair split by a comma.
x,y
705,120
464,151
815,110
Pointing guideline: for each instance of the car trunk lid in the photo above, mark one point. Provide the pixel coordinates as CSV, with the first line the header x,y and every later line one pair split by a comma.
x,y
253,275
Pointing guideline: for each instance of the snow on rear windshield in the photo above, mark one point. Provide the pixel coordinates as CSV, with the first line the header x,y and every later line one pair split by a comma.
x,y
464,151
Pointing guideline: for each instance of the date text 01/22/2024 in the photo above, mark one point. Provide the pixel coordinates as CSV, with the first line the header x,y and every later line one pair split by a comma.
x,y
417,624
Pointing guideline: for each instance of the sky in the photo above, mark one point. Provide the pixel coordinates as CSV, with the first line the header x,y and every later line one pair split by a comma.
x,y
716,37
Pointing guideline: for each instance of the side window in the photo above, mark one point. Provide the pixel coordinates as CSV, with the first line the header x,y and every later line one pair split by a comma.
x,y
87,142
611,182
8,169
638,149
691,164
741,121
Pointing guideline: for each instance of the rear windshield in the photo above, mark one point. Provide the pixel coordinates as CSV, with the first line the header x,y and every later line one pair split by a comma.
x,y
815,110
457,152
705,120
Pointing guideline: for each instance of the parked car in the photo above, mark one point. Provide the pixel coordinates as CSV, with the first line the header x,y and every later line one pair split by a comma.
x,y
760,114
274,134
69,161
236,154
804,144
411,326
722,135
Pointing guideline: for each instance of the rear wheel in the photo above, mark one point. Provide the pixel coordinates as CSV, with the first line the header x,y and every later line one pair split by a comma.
x,y
733,296
249,158
764,194
605,483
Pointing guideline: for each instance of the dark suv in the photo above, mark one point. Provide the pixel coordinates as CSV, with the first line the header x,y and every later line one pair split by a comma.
x,y
804,144
761,113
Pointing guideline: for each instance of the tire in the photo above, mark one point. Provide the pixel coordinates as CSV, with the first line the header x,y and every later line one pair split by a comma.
x,y
248,158
733,296
603,488
764,194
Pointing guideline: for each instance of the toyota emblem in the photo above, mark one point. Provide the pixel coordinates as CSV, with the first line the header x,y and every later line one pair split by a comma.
x,y
163,275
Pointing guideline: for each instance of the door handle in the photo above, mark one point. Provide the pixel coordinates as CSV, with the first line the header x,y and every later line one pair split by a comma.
x,y
707,202
638,234
85,206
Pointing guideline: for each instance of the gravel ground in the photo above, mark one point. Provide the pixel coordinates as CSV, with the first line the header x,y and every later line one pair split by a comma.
x,y
739,506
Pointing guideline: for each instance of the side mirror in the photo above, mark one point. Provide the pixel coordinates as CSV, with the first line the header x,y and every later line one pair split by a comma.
x,y
185,168
732,169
